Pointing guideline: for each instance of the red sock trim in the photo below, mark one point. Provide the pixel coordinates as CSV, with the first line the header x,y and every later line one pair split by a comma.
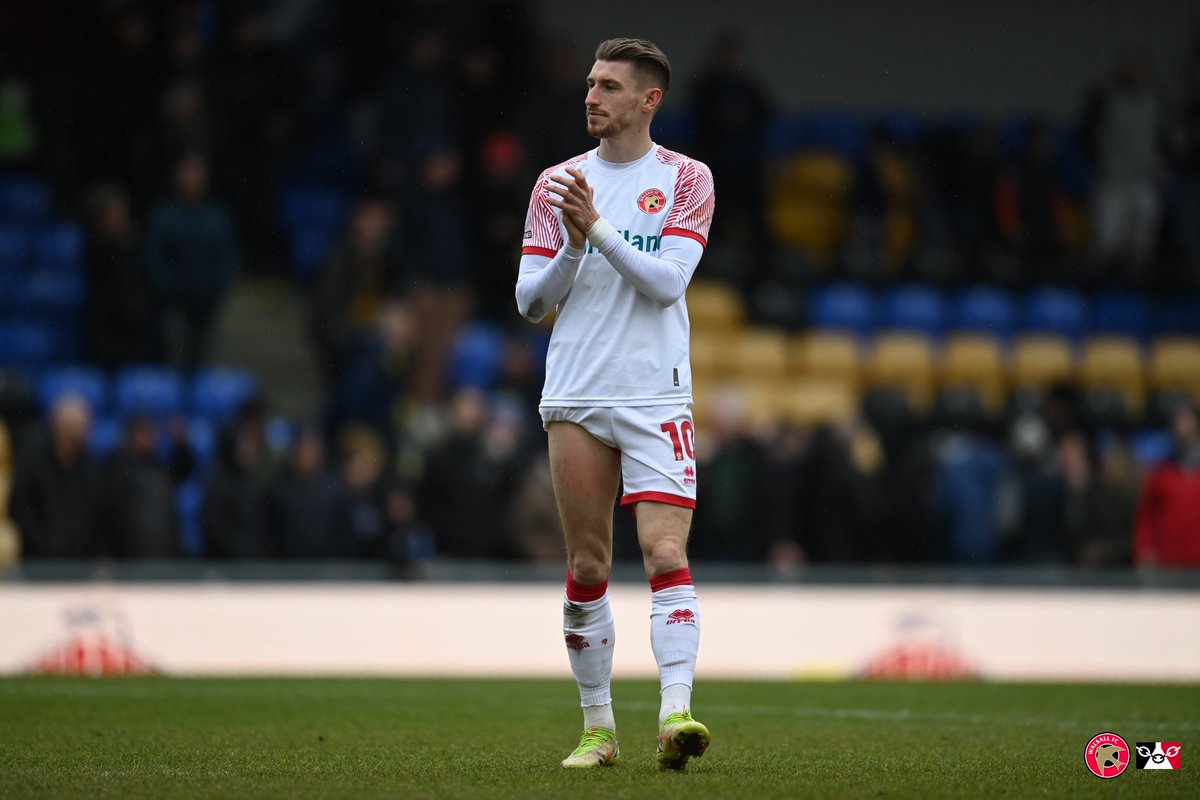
x,y
585,592
679,577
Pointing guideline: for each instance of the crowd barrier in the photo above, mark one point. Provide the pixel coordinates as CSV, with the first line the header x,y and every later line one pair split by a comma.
x,y
783,630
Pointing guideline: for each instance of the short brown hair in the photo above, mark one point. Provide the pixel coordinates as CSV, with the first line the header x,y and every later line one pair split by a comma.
x,y
649,61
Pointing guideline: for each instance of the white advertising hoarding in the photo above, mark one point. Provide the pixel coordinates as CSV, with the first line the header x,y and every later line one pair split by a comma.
x,y
479,629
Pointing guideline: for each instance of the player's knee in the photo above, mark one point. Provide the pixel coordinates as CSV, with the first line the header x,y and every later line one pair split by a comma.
x,y
588,569
665,556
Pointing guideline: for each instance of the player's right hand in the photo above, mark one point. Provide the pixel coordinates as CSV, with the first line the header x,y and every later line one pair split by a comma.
x,y
575,235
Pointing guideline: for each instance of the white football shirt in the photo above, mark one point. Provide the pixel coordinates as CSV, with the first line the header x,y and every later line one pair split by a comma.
x,y
613,345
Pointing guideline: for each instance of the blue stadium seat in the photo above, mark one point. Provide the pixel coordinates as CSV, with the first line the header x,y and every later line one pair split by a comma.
x,y
43,290
14,247
476,356
309,247
984,309
304,206
87,382
1124,313
202,436
217,394
59,248
105,436
27,344
313,217
156,391
189,513
901,127
842,306
913,307
280,434
1055,310
832,130
1178,315
24,199
1150,447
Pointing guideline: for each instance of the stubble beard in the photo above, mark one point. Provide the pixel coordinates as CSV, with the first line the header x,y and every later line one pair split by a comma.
x,y
607,127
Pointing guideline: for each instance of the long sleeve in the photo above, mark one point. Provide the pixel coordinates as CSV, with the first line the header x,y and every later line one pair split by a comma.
x,y
543,282
663,277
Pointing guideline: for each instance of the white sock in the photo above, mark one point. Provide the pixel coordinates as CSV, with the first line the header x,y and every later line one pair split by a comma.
x,y
676,698
599,717
675,638
590,636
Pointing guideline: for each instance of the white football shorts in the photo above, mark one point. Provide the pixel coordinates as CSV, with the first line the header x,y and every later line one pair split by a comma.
x,y
657,446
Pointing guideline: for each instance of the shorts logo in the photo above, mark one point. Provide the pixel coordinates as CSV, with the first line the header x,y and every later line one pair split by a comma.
x,y
576,642
652,201
1106,755
685,615
1158,755
689,476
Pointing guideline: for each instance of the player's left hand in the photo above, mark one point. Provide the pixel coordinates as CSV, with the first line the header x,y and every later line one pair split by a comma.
x,y
572,195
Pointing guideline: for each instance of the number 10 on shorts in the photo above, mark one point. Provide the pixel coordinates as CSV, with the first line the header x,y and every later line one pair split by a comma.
x,y
683,438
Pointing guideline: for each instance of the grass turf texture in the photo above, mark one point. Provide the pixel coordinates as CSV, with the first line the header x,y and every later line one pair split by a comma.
x,y
499,739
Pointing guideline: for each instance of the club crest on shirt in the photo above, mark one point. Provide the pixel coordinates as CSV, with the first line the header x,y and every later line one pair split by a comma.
x,y
652,201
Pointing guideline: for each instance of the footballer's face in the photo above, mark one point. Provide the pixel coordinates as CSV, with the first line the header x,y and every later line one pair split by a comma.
x,y
614,100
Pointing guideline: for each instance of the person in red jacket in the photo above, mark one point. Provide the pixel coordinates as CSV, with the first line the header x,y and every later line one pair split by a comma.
x,y
1168,516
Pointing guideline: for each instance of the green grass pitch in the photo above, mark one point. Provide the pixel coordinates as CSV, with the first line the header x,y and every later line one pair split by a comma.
x,y
315,738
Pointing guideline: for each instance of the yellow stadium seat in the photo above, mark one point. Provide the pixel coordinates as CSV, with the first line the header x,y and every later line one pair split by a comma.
x,y
760,354
1175,364
713,356
1039,362
715,306
809,402
1114,362
974,361
903,361
824,354
808,204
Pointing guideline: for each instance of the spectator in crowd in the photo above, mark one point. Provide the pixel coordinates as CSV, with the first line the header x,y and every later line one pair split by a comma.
x,y
308,507
966,499
235,513
352,287
10,537
1185,140
422,165
117,98
122,320
1040,517
497,204
1029,199
56,486
1111,499
731,112
258,96
363,462
468,479
375,388
533,515
555,128
1126,126
731,520
191,256
1168,514
138,519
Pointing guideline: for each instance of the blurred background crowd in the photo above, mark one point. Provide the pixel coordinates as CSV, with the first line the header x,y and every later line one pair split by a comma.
x,y
917,338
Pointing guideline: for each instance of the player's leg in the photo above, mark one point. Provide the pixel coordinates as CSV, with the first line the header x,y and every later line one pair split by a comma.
x,y
585,473
674,629
659,470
